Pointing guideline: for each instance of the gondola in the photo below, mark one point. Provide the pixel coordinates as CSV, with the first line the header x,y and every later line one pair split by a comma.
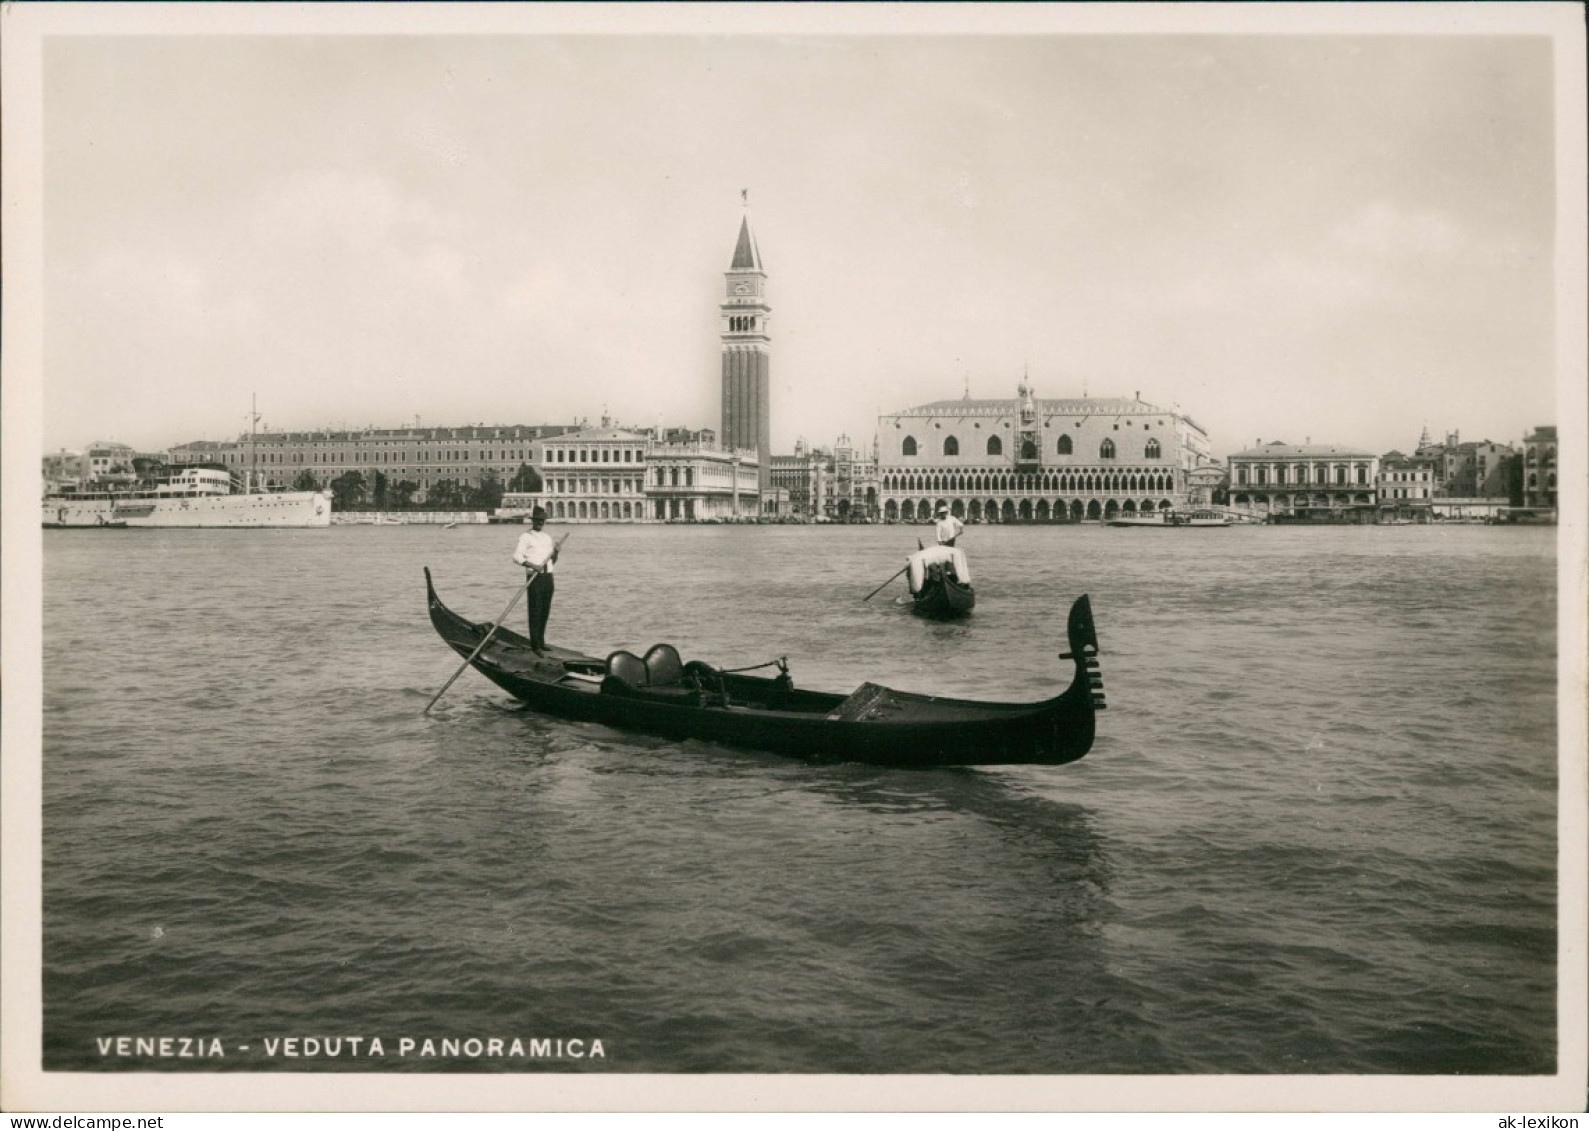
x,y
660,694
942,596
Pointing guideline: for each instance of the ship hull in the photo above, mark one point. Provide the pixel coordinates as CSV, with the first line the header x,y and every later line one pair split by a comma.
x,y
287,509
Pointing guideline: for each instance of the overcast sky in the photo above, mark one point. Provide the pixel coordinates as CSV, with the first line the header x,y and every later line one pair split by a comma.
x,y
1330,238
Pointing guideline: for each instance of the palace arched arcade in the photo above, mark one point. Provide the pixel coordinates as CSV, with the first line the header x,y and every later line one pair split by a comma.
x,y
996,495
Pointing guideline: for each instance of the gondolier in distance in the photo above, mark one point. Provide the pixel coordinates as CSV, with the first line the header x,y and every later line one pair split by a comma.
x,y
949,527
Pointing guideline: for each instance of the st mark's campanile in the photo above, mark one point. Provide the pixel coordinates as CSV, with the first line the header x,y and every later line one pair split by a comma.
x,y
747,356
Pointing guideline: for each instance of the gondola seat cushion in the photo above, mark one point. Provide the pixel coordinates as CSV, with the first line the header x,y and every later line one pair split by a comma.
x,y
659,675
627,668
664,666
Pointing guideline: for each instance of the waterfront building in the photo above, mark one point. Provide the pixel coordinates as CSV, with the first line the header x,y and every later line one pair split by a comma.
x,y
697,482
1405,486
1466,469
103,465
1281,479
422,457
595,475
64,470
1031,460
1481,470
855,493
612,474
838,484
110,462
747,356
1202,482
805,481
1539,468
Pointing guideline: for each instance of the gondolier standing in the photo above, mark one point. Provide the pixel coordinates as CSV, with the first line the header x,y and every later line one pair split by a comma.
x,y
949,527
537,553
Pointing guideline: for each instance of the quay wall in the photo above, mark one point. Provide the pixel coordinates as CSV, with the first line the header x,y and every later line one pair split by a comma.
x,y
407,518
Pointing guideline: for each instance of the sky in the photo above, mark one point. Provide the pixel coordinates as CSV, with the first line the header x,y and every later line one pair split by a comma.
x,y
1327,238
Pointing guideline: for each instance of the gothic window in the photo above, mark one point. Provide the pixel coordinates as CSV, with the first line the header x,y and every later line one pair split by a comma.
x,y
1152,450
1106,450
1064,446
908,448
995,446
951,446
1028,449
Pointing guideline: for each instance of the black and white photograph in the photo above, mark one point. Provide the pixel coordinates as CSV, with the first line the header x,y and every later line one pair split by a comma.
x,y
794,558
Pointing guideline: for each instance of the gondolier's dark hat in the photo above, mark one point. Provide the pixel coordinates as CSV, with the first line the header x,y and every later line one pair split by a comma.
x,y
538,514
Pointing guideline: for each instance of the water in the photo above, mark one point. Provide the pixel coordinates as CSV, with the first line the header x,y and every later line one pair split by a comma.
x,y
1315,835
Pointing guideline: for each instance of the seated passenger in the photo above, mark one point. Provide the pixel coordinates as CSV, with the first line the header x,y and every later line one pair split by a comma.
x,y
950,556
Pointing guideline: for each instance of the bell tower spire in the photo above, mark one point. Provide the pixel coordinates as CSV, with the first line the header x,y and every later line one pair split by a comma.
x,y
747,352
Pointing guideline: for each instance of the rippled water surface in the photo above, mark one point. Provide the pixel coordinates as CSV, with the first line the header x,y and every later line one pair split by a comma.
x,y
1316,833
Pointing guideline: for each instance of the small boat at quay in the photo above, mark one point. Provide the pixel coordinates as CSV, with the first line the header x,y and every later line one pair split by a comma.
x,y
661,694
1170,520
193,497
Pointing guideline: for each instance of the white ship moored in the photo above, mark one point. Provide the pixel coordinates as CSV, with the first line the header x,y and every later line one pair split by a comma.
x,y
195,496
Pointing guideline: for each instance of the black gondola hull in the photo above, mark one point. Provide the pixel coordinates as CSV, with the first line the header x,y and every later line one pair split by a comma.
x,y
942,597
874,724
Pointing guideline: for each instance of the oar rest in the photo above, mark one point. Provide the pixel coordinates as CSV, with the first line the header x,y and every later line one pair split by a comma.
x,y
703,677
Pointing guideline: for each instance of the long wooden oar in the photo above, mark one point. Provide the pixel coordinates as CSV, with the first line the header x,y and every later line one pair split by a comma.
x,y
522,590
883,586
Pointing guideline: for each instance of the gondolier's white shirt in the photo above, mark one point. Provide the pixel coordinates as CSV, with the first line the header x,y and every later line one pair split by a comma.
x,y
535,550
949,528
